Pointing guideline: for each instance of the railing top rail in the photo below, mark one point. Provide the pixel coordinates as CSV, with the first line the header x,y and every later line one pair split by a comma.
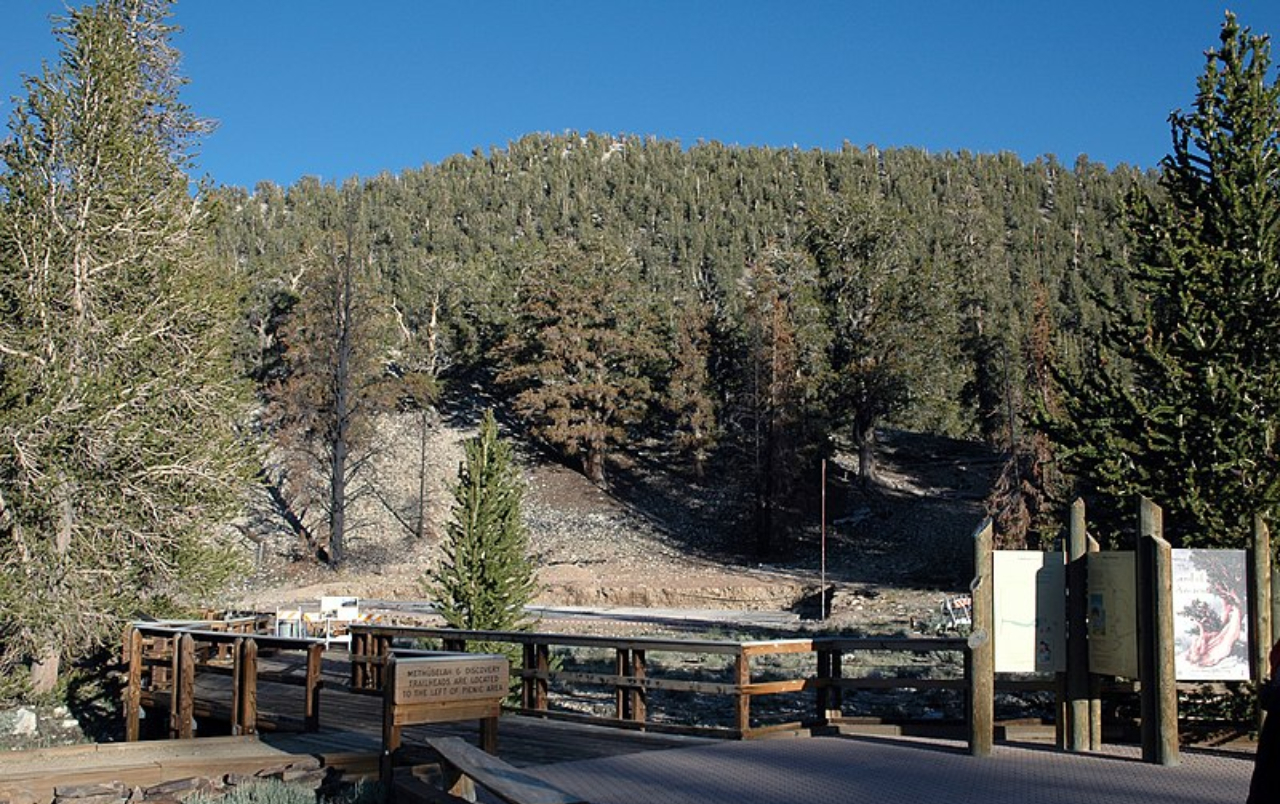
x,y
905,644
228,637
656,644
660,644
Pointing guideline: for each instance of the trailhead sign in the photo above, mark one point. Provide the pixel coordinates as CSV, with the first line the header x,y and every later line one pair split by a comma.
x,y
449,679
1211,615
1030,611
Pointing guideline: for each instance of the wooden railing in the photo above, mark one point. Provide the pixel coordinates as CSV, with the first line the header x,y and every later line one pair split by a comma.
x,y
163,659
822,665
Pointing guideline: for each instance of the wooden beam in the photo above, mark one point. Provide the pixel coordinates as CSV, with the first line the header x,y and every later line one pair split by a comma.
x,y
390,731
742,698
1079,712
315,655
639,701
507,783
184,684
249,687
133,685
980,663
1260,625
1159,695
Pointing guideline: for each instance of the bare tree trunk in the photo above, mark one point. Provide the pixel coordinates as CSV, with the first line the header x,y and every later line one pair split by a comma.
x,y
866,439
593,465
339,444
421,524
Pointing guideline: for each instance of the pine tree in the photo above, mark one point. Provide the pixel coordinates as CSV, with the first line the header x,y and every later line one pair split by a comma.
x,y
689,396
581,356
485,577
321,412
120,462
1182,402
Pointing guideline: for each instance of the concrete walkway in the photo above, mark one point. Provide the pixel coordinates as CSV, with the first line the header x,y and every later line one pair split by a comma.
x,y
851,770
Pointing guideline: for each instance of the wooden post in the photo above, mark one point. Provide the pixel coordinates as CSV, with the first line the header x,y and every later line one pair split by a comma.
x,y
359,651
830,703
133,684
1079,723
1159,692
742,699
981,655
249,687
1095,683
528,683
390,731
824,684
315,655
639,700
1260,633
237,686
184,688
543,692
489,735
621,660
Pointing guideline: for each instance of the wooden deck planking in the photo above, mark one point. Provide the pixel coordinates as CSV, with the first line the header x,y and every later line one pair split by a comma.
x,y
135,764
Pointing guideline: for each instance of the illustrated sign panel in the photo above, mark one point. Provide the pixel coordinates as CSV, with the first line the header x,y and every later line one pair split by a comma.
x,y
451,679
1210,615
1113,615
1030,612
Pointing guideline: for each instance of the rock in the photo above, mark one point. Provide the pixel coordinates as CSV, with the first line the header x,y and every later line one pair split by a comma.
x,y
179,789
17,795
83,791
22,722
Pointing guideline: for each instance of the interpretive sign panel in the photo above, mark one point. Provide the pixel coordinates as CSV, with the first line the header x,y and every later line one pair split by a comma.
x,y
1210,615
1030,611
1113,614
450,679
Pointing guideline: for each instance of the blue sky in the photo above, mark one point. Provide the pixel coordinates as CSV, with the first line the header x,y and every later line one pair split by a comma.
x,y
335,89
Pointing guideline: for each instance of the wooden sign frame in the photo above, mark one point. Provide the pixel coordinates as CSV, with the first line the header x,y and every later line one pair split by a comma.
x,y
442,689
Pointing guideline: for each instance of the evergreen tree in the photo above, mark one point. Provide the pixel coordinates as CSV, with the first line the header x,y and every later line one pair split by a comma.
x,y
120,463
321,412
581,357
689,394
1182,401
485,577
780,405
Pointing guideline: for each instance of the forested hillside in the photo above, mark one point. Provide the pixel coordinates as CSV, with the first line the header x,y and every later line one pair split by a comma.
x,y
748,308
175,358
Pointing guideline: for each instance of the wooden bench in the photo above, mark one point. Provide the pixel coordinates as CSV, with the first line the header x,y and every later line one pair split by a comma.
x,y
464,761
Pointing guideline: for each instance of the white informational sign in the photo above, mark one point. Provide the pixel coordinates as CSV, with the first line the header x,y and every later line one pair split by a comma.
x,y
342,608
1030,612
1113,615
1210,615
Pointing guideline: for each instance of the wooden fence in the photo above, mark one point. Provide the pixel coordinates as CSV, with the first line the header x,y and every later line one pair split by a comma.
x,y
634,675
163,661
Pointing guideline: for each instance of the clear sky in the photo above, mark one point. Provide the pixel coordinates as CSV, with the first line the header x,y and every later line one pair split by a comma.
x,y
335,89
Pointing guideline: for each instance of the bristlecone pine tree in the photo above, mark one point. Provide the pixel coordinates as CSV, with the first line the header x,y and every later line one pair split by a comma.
x,y
580,358
485,577
1182,403
119,457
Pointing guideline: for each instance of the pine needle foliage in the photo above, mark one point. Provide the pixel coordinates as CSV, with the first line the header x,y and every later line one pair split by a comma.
x,y
120,455
1182,400
485,577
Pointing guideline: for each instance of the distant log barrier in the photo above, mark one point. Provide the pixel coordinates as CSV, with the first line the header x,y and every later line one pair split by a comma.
x,y
748,673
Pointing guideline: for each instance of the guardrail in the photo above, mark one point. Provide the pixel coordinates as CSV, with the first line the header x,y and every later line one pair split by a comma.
x,y
163,659
823,668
